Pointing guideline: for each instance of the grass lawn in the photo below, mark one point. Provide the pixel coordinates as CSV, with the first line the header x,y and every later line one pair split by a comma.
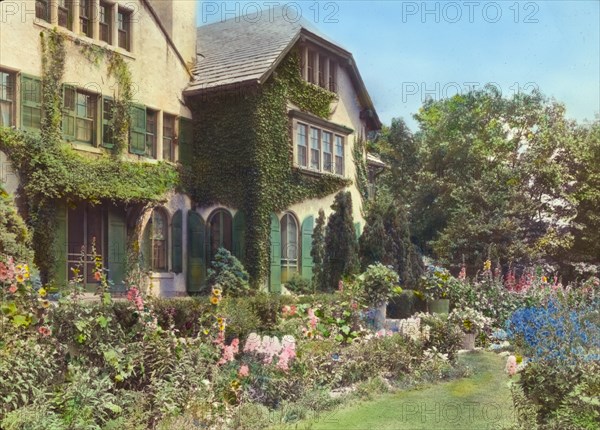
x,y
481,401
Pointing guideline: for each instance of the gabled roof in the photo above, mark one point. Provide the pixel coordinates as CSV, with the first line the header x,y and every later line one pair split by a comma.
x,y
245,51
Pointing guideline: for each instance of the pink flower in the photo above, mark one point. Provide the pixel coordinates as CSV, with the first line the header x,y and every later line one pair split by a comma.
x,y
12,289
252,343
312,318
463,273
44,331
511,365
244,371
229,351
341,286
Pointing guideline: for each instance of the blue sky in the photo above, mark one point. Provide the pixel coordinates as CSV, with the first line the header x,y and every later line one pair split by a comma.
x,y
408,50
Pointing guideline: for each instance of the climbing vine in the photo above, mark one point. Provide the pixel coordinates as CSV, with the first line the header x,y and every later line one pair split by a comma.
x,y
121,108
243,156
50,170
358,155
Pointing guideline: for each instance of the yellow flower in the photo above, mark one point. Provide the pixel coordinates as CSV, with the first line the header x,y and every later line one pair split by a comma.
x,y
219,320
544,279
20,278
42,292
214,300
221,327
487,265
205,331
235,384
216,292
45,304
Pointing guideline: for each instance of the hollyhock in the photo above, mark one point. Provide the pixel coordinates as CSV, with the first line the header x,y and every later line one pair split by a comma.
x,y
312,318
244,371
44,331
229,351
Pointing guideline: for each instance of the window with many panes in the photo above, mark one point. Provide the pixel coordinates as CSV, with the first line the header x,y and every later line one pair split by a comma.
x,y
79,115
104,18
339,155
85,17
168,137
7,98
289,240
315,148
220,233
65,14
42,9
327,152
321,150
151,130
159,235
124,19
301,143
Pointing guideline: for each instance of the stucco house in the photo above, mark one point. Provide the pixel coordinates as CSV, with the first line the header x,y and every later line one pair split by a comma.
x,y
262,121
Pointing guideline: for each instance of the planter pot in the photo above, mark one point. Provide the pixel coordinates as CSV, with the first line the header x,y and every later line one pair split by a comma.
x,y
439,306
468,341
379,317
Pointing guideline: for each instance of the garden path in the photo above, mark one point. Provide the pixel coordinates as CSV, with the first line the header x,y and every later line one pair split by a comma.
x,y
479,402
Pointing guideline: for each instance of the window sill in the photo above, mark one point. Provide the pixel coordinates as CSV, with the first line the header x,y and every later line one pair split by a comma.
x,y
316,173
80,39
84,147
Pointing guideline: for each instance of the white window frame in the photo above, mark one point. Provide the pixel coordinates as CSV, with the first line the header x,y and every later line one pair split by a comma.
x,y
320,165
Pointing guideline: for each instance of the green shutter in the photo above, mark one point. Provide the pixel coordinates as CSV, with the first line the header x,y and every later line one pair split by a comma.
x,y
307,261
239,234
186,137
60,246
137,135
177,242
196,270
108,140
357,229
275,280
69,117
117,248
31,103
146,245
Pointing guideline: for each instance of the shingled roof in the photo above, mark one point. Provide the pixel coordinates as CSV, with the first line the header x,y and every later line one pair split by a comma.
x,y
244,51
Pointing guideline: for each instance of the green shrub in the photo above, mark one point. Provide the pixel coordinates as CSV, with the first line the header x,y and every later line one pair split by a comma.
x,y
28,368
377,284
444,336
268,309
182,314
241,319
298,285
15,238
229,273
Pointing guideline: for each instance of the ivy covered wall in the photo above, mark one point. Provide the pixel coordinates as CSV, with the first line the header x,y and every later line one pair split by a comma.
x,y
242,155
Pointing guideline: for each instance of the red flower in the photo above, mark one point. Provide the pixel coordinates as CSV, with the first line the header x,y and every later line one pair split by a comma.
x,y
97,276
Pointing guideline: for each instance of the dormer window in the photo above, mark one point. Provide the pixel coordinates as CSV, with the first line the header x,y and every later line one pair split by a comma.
x,y
319,68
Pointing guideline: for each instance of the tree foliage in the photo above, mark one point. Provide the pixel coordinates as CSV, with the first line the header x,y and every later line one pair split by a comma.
x,y
486,176
386,239
341,246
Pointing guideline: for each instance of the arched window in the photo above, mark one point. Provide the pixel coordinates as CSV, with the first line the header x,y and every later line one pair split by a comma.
x,y
219,231
289,241
159,237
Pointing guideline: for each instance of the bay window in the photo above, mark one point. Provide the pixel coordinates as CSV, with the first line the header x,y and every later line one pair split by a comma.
x,y
320,150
